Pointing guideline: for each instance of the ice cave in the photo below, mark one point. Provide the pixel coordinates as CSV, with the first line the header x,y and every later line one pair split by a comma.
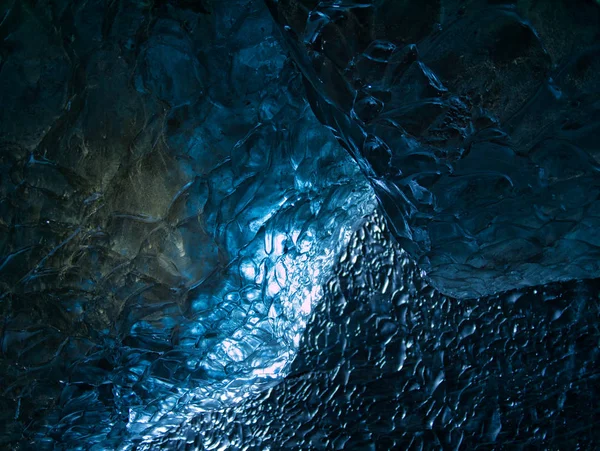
x,y
299,225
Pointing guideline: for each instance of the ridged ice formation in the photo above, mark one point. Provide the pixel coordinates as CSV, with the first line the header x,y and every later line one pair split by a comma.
x,y
476,123
190,260
390,363
170,210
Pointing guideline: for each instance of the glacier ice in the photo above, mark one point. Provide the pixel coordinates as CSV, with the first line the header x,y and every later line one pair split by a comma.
x,y
476,123
170,210
361,225
389,362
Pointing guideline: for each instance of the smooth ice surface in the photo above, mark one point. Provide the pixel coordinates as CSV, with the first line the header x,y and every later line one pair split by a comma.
x,y
475,121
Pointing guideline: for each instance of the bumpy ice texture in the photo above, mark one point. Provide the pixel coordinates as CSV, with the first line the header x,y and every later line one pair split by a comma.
x,y
170,210
476,122
388,362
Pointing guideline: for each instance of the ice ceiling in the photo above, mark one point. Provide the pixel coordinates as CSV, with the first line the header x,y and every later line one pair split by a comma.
x,y
299,224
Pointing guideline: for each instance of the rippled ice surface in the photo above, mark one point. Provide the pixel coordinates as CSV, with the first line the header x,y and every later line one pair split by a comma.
x,y
388,362
170,210
476,123
190,260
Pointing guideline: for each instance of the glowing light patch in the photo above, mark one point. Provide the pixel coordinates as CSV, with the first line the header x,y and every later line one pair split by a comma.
x,y
274,370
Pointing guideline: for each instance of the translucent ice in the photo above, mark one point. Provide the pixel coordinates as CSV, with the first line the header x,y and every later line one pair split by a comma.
x,y
189,260
170,210
388,362
475,122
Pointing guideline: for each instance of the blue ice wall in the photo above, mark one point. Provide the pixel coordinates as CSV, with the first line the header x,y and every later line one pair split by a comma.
x,y
299,224
476,123
388,362
170,211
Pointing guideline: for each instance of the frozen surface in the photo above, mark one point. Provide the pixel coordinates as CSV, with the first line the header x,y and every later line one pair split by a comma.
x,y
476,122
390,363
190,260
170,210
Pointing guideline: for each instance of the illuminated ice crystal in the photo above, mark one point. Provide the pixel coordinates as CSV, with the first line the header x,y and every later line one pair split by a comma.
x,y
170,211
191,260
